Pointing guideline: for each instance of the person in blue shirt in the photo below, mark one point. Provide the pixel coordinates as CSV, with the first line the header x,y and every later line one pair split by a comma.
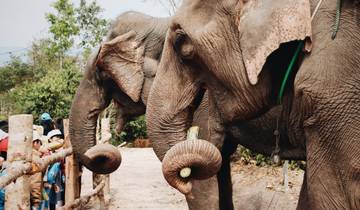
x,y
2,190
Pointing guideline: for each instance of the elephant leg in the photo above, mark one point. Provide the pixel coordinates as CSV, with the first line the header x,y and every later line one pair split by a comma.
x,y
333,166
224,176
303,199
205,194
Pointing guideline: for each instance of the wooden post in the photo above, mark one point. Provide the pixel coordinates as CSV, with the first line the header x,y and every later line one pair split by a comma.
x,y
105,130
97,178
72,170
105,138
286,176
17,194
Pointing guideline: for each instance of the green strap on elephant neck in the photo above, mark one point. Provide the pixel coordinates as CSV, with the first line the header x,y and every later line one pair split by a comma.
x,y
337,20
288,71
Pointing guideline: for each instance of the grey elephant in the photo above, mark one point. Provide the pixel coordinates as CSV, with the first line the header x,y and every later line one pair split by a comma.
x,y
239,51
122,70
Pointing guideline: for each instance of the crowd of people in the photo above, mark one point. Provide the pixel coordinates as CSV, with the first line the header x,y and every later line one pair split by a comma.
x,y
47,187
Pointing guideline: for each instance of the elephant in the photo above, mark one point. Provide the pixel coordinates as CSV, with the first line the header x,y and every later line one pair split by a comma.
x,y
240,53
122,70
106,78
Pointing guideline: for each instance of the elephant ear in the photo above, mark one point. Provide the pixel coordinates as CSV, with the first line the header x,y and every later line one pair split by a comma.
x,y
265,24
122,59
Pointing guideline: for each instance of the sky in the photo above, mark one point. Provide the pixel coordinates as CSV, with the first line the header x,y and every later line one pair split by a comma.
x,y
23,21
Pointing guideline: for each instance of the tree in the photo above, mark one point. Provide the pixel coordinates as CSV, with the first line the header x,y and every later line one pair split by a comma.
x,y
42,57
92,27
135,128
14,73
63,27
53,93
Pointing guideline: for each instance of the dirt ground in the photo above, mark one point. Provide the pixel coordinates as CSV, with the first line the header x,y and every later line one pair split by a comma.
x,y
139,184
261,187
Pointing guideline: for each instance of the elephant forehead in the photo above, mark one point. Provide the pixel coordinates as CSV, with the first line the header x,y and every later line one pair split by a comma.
x,y
265,24
194,13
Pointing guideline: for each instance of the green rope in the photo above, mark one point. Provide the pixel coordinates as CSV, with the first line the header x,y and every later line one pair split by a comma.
x,y
337,20
288,71
300,46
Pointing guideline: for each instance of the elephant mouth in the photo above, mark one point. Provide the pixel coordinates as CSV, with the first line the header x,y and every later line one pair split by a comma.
x,y
118,124
198,98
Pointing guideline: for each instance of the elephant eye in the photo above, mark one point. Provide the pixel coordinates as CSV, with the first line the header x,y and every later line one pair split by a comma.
x,y
183,45
179,39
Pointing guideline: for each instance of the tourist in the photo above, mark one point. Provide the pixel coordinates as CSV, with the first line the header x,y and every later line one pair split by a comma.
x,y
47,123
36,179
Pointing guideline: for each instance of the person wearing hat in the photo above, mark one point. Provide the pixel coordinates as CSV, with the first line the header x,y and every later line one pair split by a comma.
x,y
47,122
2,190
36,179
55,174
55,140
4,140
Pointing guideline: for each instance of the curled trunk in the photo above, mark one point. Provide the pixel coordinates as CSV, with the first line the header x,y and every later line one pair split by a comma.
x,y
89,101
190,160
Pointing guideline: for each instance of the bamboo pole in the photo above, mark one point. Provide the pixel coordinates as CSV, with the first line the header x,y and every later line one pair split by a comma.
x,y
105,138
19,152
80,202
43,163
97,180
101,137
16,170
72,170
286,175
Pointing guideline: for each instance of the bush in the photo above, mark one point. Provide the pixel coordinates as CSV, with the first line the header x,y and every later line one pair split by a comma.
x,y
52,93
134,129
249,157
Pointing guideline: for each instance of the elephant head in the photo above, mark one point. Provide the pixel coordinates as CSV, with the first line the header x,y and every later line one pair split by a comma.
x,y
122,70
221,46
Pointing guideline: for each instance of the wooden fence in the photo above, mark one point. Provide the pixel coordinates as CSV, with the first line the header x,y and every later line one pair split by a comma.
x,y
20,166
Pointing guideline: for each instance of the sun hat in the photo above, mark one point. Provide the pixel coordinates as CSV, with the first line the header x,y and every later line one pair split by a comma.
x,y
45,117
3,134
36,136
55,132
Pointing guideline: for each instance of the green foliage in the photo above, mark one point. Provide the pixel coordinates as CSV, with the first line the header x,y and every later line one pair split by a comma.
x,y
92,27
249,157
135,128
42,57
13,74
39,85
63,27
53,93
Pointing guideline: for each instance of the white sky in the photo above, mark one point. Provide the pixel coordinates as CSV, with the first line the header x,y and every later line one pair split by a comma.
x,y
22,21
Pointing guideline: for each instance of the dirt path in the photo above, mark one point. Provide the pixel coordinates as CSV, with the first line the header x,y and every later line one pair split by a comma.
x,y
262,188
139,184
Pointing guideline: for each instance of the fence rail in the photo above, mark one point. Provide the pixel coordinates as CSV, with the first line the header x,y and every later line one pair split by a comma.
x,y
20,166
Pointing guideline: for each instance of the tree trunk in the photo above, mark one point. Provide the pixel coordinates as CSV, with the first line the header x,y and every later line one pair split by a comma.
x,y
20,149
72,170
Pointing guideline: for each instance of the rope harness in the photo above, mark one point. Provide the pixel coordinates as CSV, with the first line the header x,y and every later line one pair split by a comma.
x,y
275,155
337,19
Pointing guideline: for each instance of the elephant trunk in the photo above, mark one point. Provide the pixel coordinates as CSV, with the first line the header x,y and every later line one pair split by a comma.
x,y
89,101
190,160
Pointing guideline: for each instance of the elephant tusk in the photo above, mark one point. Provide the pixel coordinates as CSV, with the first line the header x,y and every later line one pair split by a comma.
x,y
185,172
193,133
